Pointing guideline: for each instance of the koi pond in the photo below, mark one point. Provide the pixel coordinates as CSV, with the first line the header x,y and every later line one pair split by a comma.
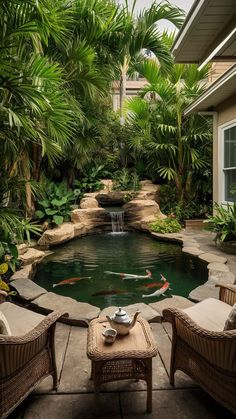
x,y
90,265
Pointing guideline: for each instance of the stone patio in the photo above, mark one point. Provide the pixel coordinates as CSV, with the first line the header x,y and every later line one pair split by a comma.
x,y
124,399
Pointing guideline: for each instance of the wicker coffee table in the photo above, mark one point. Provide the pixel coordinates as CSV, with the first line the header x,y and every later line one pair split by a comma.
x,y
129,357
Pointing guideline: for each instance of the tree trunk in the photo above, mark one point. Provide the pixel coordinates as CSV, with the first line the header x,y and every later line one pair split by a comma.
x,y
122,94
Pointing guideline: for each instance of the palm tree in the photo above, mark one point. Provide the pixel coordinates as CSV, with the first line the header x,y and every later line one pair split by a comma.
x,y
141,35
174,146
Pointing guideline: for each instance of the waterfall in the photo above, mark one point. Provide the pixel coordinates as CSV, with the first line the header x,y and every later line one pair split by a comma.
x,y
117,221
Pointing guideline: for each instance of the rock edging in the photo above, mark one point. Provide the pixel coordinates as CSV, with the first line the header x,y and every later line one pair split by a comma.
x,y
217,270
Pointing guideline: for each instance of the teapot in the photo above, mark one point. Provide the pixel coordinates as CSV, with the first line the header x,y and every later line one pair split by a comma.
x,y
121,322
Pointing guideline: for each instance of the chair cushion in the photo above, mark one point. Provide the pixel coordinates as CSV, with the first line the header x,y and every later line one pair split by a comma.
x,y
4,326
230,323
21,320
210,314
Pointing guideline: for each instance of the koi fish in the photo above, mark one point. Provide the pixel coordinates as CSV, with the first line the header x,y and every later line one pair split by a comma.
x,y
131,276
70,281
112,292
161,291
152,285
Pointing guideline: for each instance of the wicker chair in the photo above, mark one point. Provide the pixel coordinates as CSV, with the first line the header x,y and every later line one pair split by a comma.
x,y
25,361
208,356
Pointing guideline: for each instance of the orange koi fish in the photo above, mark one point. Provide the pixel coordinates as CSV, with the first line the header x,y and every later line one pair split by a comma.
x,y
70,281
152,285
161,291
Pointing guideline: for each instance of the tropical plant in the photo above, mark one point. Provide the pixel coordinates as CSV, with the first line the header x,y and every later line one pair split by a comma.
x,y
223,222
29,228
175,148
141,37
55,205
166,225
124,180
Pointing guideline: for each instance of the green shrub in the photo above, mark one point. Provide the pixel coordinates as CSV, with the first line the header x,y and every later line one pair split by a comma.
x,y
166,225
223,223
55,207
91,181
123,180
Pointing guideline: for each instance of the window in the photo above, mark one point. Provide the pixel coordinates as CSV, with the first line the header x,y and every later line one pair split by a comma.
x,y
229,163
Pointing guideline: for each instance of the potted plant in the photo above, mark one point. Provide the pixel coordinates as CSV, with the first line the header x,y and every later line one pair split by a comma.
x,y
223,223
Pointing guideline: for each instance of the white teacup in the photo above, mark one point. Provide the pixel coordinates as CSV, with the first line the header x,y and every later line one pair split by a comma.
x,y
109,335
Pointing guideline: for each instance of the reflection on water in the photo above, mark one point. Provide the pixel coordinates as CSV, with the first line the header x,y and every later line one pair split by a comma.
x,y
130,253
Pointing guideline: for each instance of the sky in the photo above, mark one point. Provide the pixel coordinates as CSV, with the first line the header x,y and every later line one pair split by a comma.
x,y
162,25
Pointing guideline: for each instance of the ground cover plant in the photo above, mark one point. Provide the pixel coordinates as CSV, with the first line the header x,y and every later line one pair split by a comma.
x,y
165,225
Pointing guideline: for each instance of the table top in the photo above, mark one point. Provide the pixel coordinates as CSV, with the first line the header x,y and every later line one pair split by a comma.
x,y
139,343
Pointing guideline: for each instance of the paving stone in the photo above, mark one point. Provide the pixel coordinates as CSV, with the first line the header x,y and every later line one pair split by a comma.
x,y
164,348
79,313
61,341
176,301
204,291
27,289
175,404
194,251
32,255
210,257
216,276
72,406
27,272
76,371
218,267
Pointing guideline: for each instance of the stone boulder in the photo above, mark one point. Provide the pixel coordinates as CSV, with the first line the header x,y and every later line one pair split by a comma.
x,y
27,272
60,234
139,209
149,191
110,198
32,255
86,203
91,217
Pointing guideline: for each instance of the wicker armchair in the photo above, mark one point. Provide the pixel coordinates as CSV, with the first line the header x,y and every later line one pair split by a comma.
x,y
208,356
25,361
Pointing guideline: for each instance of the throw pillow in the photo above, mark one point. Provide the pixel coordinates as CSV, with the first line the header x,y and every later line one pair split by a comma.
x,y
230,323
4,326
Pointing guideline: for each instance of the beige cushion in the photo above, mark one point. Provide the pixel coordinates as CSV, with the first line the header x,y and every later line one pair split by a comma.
x,y
210,314
230,323
20,320
4,326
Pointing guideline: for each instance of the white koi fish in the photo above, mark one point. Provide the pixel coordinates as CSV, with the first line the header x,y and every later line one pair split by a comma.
x,y
130,276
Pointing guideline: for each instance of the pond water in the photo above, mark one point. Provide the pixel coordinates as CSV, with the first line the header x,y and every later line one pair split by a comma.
x,y
132,253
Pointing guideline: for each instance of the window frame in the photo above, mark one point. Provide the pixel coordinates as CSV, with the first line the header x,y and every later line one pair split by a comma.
x,y
221,157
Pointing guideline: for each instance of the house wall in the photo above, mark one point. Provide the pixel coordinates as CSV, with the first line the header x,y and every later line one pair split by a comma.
x,y
226,113
217,69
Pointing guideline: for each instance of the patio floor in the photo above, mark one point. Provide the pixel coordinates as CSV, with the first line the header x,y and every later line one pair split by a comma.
x,y
124,399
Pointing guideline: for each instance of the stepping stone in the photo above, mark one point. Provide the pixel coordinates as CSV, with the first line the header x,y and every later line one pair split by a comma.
x,y
191,244
215,266
210,257
27,272
79,313
32,255
221,277
176,301
27,289
204,291
147,312
194,251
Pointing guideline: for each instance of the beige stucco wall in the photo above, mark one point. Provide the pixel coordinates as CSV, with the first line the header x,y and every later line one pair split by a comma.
x,y
226,112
